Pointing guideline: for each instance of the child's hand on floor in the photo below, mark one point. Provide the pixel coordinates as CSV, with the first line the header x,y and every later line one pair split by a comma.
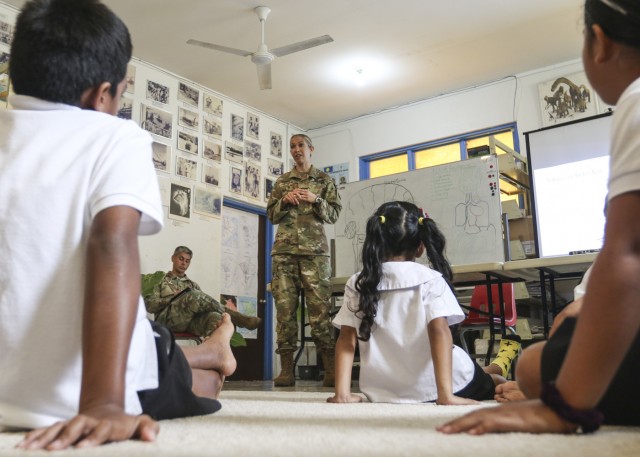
x,y
454,400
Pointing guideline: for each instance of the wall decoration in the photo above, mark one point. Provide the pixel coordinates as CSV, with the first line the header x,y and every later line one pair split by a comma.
x,y
207,201
180,203
131,79
211,126
566,98
276,145
252,177
161,156
188,118
125,108
212,150
268,188
237,127
211,175
339,172
157,92
156,121
5,83
233,152
212,105
252,151
253,126
187,142
186,167
235,180
275,167
188,94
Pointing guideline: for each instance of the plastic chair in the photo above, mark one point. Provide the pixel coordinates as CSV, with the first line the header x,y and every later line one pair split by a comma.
x,y
186,336
479,314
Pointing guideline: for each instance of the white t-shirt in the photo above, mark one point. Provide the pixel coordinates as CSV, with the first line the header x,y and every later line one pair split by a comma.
x,y
624,166
396,364
59,167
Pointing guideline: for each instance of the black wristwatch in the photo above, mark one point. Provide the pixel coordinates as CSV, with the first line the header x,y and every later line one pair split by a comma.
x,y
319,200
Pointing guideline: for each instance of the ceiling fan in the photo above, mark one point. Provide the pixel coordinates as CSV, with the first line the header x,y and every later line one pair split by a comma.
x,y
263,56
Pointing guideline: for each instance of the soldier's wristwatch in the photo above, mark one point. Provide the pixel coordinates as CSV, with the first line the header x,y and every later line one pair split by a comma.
x,y
319,200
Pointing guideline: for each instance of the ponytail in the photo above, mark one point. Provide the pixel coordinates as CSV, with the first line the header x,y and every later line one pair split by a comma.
x,y
435,244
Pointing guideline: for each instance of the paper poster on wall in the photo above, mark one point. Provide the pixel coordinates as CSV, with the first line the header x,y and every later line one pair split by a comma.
x,y
339,173
239,256
567,98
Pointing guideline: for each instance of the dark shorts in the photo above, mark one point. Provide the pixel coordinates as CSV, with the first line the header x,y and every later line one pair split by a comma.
x,y
481,386
173,398
621,402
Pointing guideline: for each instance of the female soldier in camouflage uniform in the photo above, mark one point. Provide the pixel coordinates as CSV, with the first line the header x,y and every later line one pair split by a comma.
x,y
301,202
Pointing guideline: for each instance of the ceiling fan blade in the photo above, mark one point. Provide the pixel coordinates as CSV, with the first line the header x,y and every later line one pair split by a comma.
x,y
301,46
217,47
264,76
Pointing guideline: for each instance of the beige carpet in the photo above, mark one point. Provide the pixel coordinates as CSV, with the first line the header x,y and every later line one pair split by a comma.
x,y
265,424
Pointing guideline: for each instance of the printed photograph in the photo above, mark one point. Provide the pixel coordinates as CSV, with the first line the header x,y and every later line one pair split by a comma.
x,y
252,151
233,152
5,83
180,202
274,167
156,121
276,145
268,188
212,105
157,92
237,127
253,126
567,98
212,150
211,126
206,201
131,79
235,180
188,118
211,175
161,156
187,142
188,94
252,177
125,108
186,167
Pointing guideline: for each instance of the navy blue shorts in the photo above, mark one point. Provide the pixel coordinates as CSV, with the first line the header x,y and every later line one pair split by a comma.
x,y
173,398
481,386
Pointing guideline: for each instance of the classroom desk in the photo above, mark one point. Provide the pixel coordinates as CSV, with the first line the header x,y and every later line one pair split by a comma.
x,y
547,270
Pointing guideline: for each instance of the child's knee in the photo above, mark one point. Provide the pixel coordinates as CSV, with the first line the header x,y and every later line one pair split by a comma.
x,y
528,370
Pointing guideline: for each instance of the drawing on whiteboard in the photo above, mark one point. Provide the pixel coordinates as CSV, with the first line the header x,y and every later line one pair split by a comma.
x,y
361,205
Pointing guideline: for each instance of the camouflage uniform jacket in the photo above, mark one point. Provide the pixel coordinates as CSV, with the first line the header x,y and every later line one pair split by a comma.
x,y
300,228
165,291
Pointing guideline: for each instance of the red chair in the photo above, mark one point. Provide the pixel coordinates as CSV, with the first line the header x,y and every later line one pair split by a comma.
x,y
478,316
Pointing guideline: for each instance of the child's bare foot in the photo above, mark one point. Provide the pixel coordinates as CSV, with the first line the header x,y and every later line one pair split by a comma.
x,y
218,348
509,391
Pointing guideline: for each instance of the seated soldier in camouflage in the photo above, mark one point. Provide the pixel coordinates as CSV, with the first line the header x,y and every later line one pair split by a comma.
x,y
178,302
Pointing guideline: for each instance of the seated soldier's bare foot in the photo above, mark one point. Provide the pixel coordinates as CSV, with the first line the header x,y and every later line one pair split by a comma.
x,y
219,349
509,391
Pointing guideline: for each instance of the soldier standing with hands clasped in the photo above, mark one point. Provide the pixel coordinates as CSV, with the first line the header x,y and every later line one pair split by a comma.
x,y
302,201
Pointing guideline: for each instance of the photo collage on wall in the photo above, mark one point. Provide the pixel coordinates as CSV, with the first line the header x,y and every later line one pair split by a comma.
x,y
191,147
6,37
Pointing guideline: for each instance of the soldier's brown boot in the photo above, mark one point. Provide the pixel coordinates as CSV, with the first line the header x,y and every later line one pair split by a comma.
x,y
286,376
242,320
329,362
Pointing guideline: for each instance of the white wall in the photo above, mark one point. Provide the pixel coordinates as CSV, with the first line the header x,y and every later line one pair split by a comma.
x,y
512,99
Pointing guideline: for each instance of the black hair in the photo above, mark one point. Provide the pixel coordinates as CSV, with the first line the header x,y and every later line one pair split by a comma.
x,y
395,229
619,19
61,48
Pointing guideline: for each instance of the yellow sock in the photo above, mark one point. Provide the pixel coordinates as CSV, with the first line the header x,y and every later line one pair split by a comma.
x,y
509,350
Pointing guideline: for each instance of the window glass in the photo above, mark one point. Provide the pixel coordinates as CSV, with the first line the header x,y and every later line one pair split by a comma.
x,y
504,137
438,155
388,166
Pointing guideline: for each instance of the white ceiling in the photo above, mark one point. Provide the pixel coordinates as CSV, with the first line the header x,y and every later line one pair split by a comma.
x,y
428,48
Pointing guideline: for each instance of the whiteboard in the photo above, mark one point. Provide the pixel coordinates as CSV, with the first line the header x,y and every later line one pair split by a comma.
x,y
462,197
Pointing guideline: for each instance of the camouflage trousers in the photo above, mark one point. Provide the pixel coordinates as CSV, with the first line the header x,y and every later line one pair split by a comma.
x,y
290,274
194,312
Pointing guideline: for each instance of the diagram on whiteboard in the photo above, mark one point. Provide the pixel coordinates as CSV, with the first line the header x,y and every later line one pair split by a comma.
x,y
462,197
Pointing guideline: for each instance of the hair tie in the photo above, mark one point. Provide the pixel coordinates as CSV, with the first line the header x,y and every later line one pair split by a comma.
x,y
382,219
421,221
